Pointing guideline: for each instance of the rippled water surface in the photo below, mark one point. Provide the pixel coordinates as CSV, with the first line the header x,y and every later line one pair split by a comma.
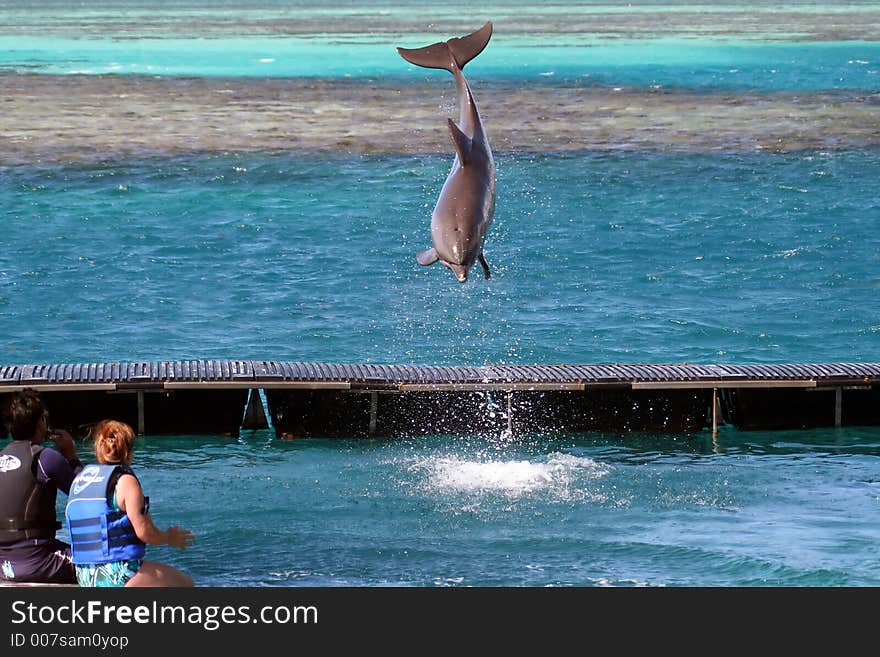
x,y
793,509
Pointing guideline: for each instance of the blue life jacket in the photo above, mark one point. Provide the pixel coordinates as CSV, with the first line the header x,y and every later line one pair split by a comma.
x,y
100,533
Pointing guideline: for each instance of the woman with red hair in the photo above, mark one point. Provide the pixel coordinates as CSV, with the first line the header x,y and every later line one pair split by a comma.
x,y
109,519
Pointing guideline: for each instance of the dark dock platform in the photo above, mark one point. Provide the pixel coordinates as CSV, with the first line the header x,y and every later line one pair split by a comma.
x,y
358,400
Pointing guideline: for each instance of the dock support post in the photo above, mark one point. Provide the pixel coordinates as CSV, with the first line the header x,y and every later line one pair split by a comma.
x,y
141,428
714,412
838,407
254,414
374,410
510,411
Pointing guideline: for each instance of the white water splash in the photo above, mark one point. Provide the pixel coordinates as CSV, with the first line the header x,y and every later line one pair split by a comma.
x,y
562,474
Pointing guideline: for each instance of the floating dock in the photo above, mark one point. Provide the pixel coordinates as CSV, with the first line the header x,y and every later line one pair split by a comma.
x,y
299,399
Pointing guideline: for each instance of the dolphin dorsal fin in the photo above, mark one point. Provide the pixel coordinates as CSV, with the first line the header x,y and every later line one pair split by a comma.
x,y
463,143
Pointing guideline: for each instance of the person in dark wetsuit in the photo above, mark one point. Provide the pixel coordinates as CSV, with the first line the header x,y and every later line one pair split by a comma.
x,y
30,477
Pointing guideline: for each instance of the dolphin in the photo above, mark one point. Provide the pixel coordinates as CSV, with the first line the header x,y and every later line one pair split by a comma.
x,y
466,203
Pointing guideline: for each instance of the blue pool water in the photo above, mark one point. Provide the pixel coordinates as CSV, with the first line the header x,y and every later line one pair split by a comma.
x,y
698,255
635,257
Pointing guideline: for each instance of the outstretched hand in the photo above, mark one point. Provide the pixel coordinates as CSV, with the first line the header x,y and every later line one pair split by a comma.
x,y
179,537
64,443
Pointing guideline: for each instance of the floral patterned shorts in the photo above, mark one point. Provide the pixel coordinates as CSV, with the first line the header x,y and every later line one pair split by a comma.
x,y
114,573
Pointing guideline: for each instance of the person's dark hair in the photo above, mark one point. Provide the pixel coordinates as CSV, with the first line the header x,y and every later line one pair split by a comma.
x,y
22,413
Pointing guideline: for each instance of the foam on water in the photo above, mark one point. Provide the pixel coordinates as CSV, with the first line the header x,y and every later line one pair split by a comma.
x,y
563,476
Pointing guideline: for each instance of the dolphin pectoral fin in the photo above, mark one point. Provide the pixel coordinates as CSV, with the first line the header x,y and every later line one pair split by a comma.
x,y
485,265
428,257
463,143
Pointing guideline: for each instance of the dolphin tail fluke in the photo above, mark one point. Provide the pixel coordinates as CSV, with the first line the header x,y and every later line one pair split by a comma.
x,y
465,48
485,265
449,54
428,257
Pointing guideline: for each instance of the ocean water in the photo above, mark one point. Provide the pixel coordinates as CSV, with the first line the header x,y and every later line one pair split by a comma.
x,y
676,183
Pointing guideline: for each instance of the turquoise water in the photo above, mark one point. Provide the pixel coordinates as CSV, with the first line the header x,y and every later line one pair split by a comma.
x,y
618,257
761,46
656,63
703,255
788,509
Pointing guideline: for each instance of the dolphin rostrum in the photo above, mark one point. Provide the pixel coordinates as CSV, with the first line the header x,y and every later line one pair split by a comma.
x,y
466,203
